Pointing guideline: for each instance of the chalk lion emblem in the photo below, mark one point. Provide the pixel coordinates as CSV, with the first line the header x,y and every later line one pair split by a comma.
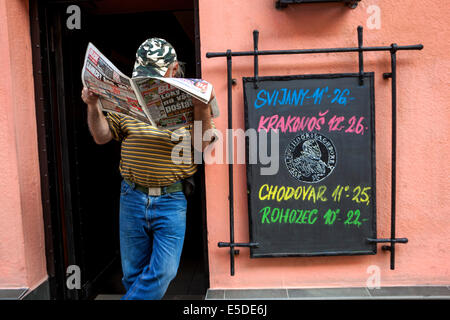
x,y
310,157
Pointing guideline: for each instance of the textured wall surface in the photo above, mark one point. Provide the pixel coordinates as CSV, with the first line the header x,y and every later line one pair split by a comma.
x,y
22,252
423,132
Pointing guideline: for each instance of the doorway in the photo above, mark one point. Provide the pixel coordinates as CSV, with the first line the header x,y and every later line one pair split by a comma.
x,y
82,178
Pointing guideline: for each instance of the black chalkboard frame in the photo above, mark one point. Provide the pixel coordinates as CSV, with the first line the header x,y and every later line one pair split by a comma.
x,y
367,76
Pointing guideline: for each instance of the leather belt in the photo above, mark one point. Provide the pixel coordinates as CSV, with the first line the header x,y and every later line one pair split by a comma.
x,y
157,191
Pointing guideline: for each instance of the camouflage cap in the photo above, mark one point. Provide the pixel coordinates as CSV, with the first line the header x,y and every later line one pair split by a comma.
x,y
153,58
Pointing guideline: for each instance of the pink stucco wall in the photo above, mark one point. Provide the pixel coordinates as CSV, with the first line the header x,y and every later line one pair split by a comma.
x,y
423,195
22,252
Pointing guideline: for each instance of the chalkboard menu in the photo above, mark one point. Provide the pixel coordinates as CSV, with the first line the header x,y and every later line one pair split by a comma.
x,y
311,164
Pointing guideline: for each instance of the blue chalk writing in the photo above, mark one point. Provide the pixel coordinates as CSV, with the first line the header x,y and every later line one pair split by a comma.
x,y
298,97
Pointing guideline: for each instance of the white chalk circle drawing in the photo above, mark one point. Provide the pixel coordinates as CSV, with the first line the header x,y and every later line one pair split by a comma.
x,y
310,157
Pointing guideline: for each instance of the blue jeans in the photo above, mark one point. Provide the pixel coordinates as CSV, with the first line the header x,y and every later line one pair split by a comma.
x,y
152,232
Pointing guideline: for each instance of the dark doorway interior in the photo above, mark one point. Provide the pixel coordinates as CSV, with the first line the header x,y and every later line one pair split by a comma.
x,y
86,174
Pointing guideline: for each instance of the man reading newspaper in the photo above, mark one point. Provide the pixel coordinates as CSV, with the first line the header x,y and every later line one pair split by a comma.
x,y
152,203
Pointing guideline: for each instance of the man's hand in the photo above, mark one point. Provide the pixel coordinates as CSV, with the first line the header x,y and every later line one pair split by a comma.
x,y
200,105
202,112
97,123
89,97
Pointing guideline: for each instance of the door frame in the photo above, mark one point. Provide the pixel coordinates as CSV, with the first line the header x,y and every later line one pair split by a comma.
x,y
53,151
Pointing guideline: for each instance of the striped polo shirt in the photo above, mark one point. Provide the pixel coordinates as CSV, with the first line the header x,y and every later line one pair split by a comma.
x,y
146,152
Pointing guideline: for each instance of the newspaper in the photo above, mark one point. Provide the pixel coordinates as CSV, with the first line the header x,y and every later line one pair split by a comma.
x,y
165,103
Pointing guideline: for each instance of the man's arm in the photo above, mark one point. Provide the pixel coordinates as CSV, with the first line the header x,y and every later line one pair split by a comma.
x,y
202,112
97,123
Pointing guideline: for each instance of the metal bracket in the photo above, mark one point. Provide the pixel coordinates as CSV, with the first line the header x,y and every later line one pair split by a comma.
x,y
390,248
360,49
232,244
393,240
234,252
352,4
279,4
237,244
360,55
255,57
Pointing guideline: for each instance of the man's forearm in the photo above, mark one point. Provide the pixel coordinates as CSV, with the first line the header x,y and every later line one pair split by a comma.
x,y
202,114
98,125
